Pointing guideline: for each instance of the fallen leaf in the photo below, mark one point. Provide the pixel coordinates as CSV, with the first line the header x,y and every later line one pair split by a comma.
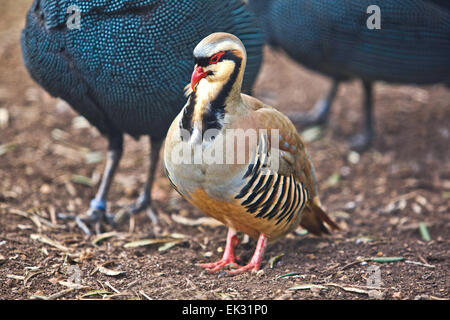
x,y
204,221
15,277
79,179
103,236
311,134
48,241
290,274
274,259
99,292
307,287
386,259
4,118
167,246
71,285
147,242
30,275
424,232
348,289
93,157
7,147
109,272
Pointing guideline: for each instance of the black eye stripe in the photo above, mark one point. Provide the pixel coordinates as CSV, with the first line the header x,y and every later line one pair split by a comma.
x,y
202,62
205,61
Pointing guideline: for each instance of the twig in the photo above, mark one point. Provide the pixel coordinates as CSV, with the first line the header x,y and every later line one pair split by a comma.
x,y
60,294
146,296
48,241
112,288
355,289
420,264
351,264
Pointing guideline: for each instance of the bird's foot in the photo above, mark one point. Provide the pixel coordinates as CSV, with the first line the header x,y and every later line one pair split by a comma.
x,y
252,267
219,265
361,142
142,203
255,262
95,216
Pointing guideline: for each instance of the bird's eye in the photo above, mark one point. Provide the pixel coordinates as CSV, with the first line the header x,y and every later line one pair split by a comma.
x,y
215,58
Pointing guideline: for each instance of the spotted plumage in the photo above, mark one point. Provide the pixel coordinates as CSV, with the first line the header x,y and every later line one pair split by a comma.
x,y
124,69
332,37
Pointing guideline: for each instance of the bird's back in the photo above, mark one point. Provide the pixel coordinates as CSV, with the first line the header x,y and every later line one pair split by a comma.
x,y
126,66
332,37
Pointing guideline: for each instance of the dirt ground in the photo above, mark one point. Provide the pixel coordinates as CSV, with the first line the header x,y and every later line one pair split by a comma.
x,y
51,162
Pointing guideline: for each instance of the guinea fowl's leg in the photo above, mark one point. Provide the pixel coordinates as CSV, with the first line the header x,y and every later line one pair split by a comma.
x,y
363,141
319,115
255,262
97,210
228,255
144,202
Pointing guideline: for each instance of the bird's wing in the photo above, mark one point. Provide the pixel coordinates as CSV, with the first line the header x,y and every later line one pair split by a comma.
x,y
55,12
291,178
285,139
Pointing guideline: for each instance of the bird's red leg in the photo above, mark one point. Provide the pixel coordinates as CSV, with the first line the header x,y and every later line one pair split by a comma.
x,y
255,262
228,255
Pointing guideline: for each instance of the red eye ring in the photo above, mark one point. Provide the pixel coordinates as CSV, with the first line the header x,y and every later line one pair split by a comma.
x,y
215,58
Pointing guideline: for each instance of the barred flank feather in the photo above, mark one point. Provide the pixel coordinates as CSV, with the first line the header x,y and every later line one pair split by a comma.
x,y
268,194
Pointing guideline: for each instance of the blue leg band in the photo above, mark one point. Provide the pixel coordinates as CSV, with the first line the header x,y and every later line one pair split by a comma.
x,y
98,204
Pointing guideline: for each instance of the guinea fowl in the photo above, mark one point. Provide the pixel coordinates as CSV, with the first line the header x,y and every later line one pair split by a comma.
x,y
411,46
124,68
266,187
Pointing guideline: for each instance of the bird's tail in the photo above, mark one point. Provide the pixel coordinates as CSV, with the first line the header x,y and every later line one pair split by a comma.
x,y
314,219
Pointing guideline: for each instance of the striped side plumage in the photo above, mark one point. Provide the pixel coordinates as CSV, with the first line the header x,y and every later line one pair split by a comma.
x,y
268,194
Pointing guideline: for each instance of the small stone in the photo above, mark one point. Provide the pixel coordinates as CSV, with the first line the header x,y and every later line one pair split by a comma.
x,y
45,189
397,295
416,208
353,157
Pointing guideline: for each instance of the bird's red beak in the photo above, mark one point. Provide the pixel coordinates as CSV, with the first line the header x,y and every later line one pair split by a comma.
x,y
197,75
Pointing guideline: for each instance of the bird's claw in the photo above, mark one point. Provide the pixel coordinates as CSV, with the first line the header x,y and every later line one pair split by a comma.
x,y
219,265
251,266
96,216
141,204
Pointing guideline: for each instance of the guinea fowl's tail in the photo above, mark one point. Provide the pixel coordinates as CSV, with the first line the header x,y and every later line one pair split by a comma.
x,y
314,219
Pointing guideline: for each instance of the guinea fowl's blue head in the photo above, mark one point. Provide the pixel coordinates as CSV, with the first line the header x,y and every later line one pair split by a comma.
x,y
219,58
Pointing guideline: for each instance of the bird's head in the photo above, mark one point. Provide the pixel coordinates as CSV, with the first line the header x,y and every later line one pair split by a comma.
x,y
219,59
